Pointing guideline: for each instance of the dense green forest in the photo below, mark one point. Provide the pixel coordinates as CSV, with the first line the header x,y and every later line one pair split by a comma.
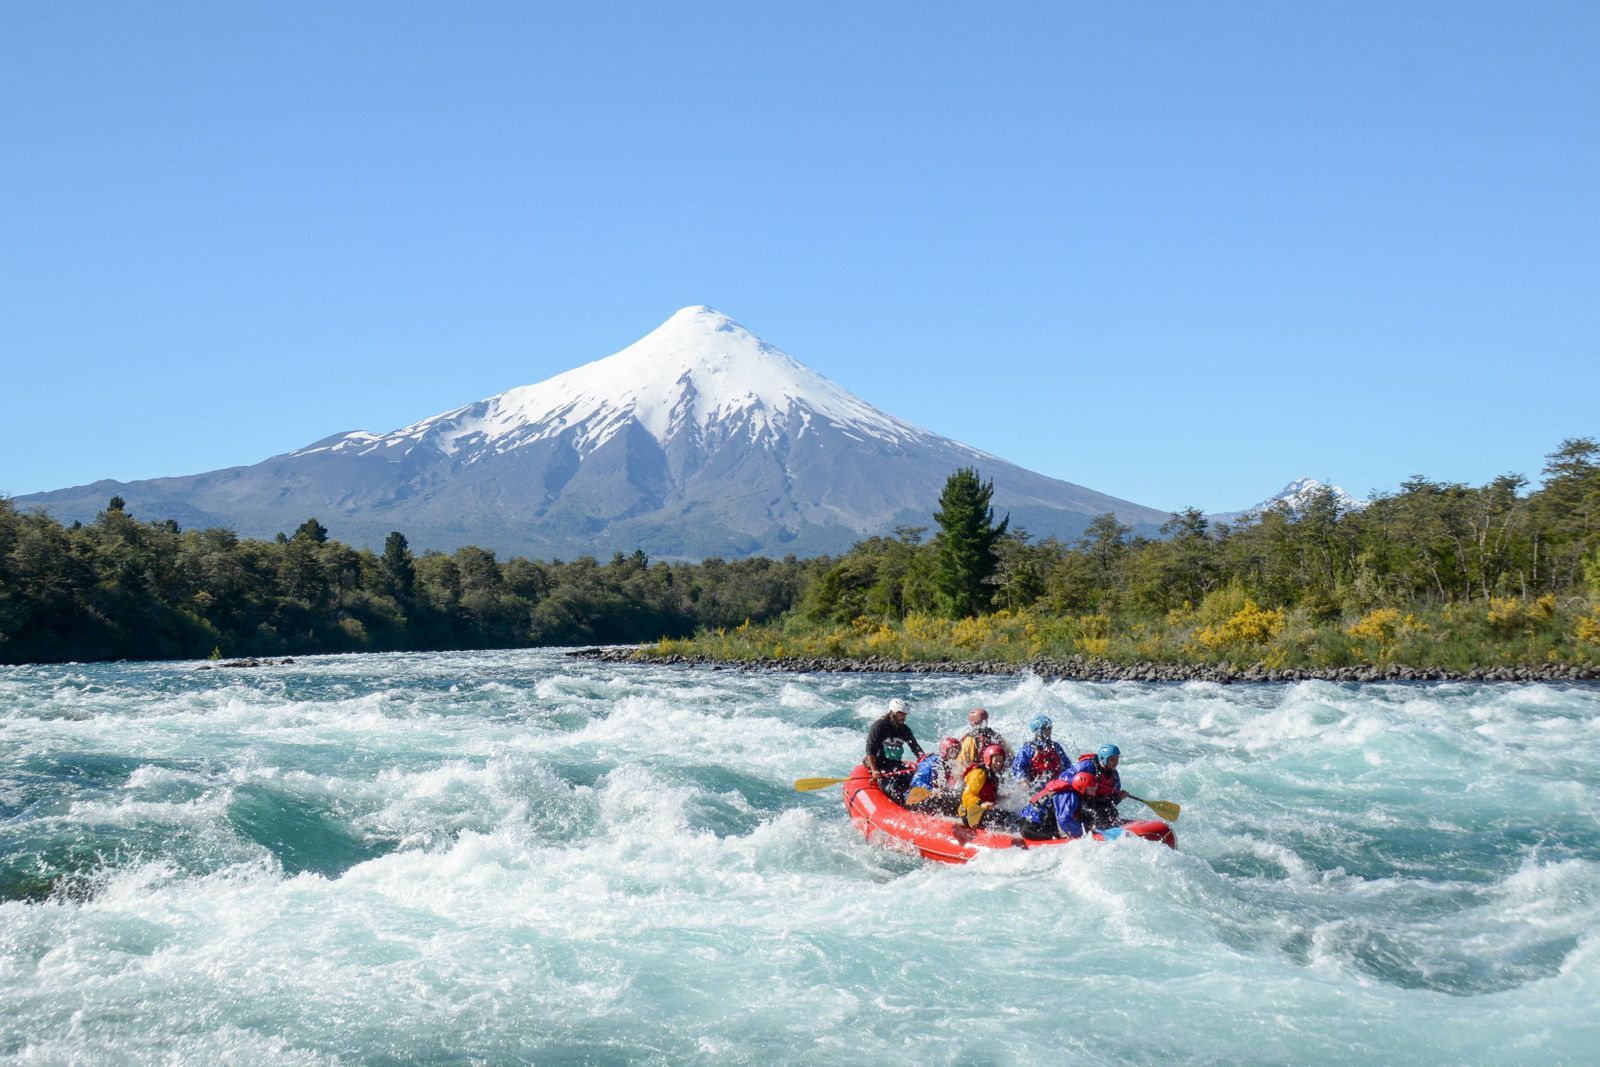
x,y
118,588
1433,573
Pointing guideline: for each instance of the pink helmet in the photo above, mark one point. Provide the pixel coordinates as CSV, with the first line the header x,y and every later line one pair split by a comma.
x,y
993,750
948,745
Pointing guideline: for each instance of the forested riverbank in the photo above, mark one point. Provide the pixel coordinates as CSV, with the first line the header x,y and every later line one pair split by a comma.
x,y
1437,577
119,588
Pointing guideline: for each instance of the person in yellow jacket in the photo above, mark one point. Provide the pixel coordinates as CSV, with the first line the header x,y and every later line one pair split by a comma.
x,y
980,736
981,785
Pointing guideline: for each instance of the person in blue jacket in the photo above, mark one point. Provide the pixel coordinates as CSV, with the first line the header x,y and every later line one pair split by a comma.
x,y
1099,809
1082,799
1055,810
940,774
1041,759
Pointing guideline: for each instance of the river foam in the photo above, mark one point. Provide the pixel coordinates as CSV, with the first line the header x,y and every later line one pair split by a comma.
x,y
515,857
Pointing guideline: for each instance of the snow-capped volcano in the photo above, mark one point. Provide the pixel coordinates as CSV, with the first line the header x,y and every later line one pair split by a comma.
x,y
699,372
1295,496
698,439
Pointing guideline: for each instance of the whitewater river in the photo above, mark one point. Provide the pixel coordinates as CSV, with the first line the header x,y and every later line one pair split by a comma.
x,y
515,857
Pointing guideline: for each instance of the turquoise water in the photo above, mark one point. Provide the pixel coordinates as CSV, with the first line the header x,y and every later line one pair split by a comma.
x,y
514,857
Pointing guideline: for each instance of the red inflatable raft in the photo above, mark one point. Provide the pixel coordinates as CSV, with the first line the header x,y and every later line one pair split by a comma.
x,y
948,840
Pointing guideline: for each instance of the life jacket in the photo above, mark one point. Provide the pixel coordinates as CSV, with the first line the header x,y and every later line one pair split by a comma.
x,y
991,785
1106,783
1046,793
1084,783
974,741
1045,761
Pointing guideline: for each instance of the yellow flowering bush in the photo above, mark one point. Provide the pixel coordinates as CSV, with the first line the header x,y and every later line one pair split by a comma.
x,y
1507,613
1097,625
1380,624
1250,625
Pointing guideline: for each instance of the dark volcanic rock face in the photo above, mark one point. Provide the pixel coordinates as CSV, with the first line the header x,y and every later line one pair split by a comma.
x,y
698,440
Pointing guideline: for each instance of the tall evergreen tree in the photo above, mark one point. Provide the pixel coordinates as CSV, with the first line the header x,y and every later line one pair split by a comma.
x,y
965,546
399,567
313,531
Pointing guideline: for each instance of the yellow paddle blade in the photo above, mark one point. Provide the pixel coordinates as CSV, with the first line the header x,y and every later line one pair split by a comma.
x,y
806,785
917,795
1164,808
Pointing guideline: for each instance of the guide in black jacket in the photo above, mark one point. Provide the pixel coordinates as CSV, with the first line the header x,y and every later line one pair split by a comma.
x,y
886,744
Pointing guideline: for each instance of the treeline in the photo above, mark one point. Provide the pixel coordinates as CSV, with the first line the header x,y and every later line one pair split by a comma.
x,y
119,588
1429,544
1436,575
1463,573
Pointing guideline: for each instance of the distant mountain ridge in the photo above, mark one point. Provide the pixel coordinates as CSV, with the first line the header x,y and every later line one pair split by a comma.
x,y
699,439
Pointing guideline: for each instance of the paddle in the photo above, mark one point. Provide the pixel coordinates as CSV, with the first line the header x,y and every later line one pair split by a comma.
x,y
1164,808
917,795
806,785
973,815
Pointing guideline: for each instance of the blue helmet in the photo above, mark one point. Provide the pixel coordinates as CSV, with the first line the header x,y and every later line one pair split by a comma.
x,y
1107,752
1039,723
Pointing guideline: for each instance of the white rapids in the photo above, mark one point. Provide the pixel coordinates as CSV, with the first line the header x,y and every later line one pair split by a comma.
x,y
516,857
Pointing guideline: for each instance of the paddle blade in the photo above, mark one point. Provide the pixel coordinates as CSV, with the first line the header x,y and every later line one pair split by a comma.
x,y
1164,808
917,795
806,785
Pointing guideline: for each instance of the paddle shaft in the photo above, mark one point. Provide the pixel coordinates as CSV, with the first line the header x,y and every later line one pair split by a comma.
x,y
806,785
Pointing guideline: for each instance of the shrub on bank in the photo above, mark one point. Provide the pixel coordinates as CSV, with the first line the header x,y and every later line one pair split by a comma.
x,y
1232,629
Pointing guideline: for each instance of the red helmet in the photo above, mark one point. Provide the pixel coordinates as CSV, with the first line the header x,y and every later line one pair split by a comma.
x,y
993,750
1083,782
948,745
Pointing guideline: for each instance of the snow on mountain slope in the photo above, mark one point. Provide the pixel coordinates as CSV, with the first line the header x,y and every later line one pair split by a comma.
x,y
699,439
1296,495
696,371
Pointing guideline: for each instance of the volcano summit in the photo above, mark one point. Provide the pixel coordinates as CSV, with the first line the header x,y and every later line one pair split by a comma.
x,y
699,439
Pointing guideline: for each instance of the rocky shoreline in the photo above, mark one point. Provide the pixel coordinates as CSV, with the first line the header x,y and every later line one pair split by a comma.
x,y
1078,669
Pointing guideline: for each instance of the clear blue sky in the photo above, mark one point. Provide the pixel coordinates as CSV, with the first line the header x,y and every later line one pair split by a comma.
x,y
1181,253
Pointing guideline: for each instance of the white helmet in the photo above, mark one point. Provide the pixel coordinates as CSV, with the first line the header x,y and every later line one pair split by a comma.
x,y
898,705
